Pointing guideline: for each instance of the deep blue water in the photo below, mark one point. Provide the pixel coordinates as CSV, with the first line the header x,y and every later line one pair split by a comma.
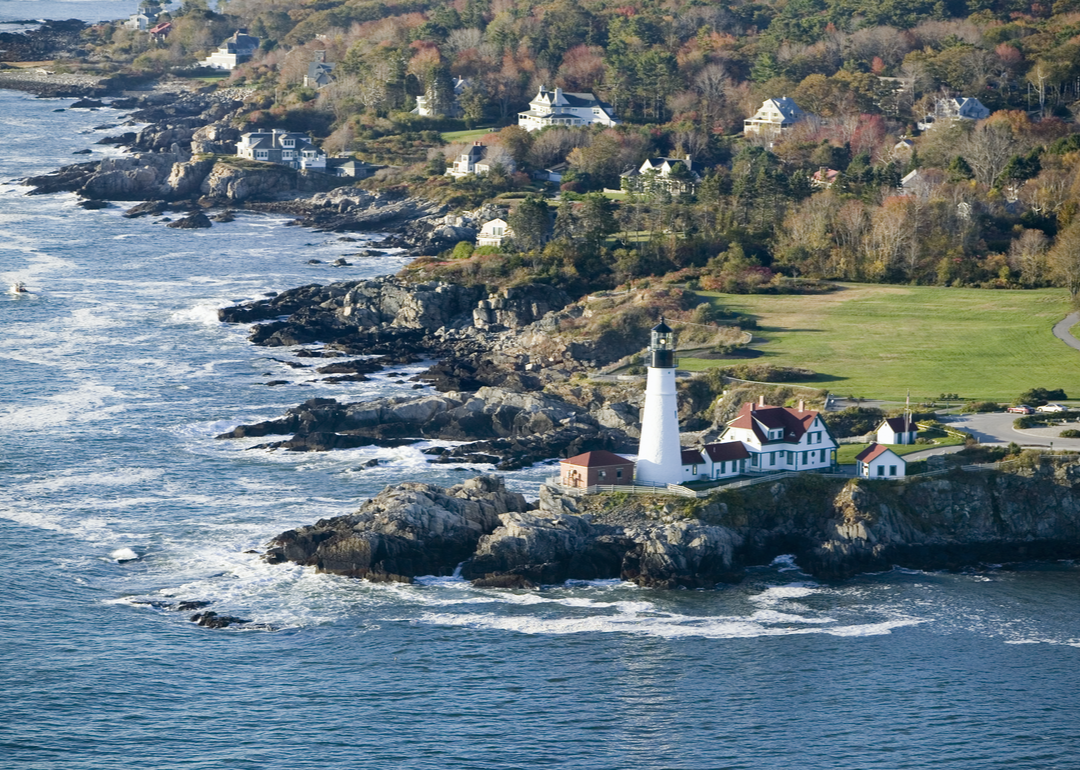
x,y
116,376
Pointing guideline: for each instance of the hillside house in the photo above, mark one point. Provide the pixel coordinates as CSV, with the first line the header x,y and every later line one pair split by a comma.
x,y
779,438
897,430
287,148
824,178
477,160
160,31
319,72
562,108
426,106
596,468
494,232
715,461
140,21
354,169
774,117
233,52
880,462
674,175
954,108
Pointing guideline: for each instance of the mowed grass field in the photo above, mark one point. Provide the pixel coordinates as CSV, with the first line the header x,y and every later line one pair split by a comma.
x,y
875,341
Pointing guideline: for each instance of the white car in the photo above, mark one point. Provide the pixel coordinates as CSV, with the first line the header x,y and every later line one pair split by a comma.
x,y
1052,408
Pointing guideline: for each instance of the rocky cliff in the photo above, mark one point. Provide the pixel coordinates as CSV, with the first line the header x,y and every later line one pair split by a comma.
x,y
834,529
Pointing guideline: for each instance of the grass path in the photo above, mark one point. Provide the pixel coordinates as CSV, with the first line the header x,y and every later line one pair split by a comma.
x,y
877,341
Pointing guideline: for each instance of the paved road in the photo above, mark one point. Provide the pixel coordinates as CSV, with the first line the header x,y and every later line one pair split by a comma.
x,y
997,428
1061,330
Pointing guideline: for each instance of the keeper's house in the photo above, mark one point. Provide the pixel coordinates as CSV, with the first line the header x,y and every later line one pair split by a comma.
x,y
596,468
779,438
880,462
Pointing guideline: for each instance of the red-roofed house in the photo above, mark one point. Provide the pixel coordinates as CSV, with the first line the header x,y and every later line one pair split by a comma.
x,y
780,438
880,462
596,468
897,430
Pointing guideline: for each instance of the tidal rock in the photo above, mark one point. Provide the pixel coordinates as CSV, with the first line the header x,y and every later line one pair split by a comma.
x,y
211,619
194,221
408,530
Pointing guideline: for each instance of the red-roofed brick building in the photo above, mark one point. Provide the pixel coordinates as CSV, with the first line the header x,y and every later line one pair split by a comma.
x,y
880,462
591,469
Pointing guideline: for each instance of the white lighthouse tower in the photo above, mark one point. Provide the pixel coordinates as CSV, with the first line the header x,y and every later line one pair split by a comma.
x,y
659,454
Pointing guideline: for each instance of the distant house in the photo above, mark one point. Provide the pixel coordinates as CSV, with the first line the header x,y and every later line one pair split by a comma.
x,y
287,148
675,175
921,182
233,52
144,19
426,107
954,108
774,117
552,174
160,31
880,462
355,169
903,149
476,161
494,232
318,72
824,178
562,108
596,468
897,430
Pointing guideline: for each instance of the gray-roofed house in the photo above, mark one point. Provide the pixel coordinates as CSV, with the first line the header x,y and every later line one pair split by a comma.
x,y
354,169
234,51
476,160
562,108
954,108
318,72
664,174
774,117
287,148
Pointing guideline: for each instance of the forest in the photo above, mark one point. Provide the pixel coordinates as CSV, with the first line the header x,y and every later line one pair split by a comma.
x,y
861,189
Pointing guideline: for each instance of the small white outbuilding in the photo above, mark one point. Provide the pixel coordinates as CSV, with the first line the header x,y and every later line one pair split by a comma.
x,y
880,462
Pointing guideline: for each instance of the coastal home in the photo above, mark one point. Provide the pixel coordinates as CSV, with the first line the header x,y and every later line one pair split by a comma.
x,y
674,175
287,148
426,104
140,21
551,174
493,233
954,108
354,169
903,150
596,468
233,52
824,178
715,461
774,117
880,462
318,72
780,438
160,31
476,160
563,108
897,430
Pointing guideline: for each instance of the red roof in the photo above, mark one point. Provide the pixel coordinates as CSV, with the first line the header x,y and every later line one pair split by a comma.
x,y
692,457
795,422
872,452
163,27
599,459
728,450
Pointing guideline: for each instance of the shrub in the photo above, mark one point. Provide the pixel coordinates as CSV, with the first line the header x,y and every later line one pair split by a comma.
x,y
853,421
1040,396
980,406
1070,433
463,250
1024,422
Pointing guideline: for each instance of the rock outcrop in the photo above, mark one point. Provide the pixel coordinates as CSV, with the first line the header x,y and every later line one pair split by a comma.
x,y
835,529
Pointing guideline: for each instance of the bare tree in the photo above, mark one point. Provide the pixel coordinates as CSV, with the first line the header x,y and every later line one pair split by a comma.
x,y
1064,260
987,149
1027,255
463,39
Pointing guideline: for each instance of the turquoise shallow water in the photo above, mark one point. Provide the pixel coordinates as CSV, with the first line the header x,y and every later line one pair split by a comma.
x,y
116,376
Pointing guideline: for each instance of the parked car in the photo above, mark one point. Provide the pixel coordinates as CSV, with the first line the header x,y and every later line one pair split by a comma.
x,y
1021,409
1052,408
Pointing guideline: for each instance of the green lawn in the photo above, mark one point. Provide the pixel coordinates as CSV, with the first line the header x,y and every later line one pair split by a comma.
x,y
877,341
458,136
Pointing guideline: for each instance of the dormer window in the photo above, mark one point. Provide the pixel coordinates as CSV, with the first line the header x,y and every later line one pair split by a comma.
x,y
288,142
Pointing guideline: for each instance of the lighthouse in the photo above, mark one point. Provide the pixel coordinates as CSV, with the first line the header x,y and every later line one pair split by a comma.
x,y
659,453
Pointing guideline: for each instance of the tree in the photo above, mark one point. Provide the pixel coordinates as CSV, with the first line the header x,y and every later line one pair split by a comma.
x,y
530,221
596,220
987,149
1027,255
1064,260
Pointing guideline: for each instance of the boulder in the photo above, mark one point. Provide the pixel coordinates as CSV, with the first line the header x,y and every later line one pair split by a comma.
x,y
194,221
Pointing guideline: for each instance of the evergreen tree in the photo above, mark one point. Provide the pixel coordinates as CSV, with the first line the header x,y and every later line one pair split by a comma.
x,y
530,222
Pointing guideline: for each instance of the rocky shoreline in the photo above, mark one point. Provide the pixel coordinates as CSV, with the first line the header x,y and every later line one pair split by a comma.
x,y
834,529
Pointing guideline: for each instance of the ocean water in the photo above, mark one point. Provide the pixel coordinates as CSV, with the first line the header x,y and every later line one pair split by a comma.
x,y
115,500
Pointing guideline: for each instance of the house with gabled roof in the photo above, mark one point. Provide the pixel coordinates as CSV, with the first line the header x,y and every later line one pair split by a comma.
x,y
563,108
675,175
233,52
288,148
880,462
319,72
774,117
897,430
599,468
780,438
715,461
426,106
954,108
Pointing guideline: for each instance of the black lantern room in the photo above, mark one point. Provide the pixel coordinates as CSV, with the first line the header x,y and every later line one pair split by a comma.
x,y
662,347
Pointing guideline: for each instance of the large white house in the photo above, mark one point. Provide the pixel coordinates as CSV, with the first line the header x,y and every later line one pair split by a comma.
x,y
494,232
774,117
234,51
288,148
657,173
477,160
779,438
954,108
562,108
